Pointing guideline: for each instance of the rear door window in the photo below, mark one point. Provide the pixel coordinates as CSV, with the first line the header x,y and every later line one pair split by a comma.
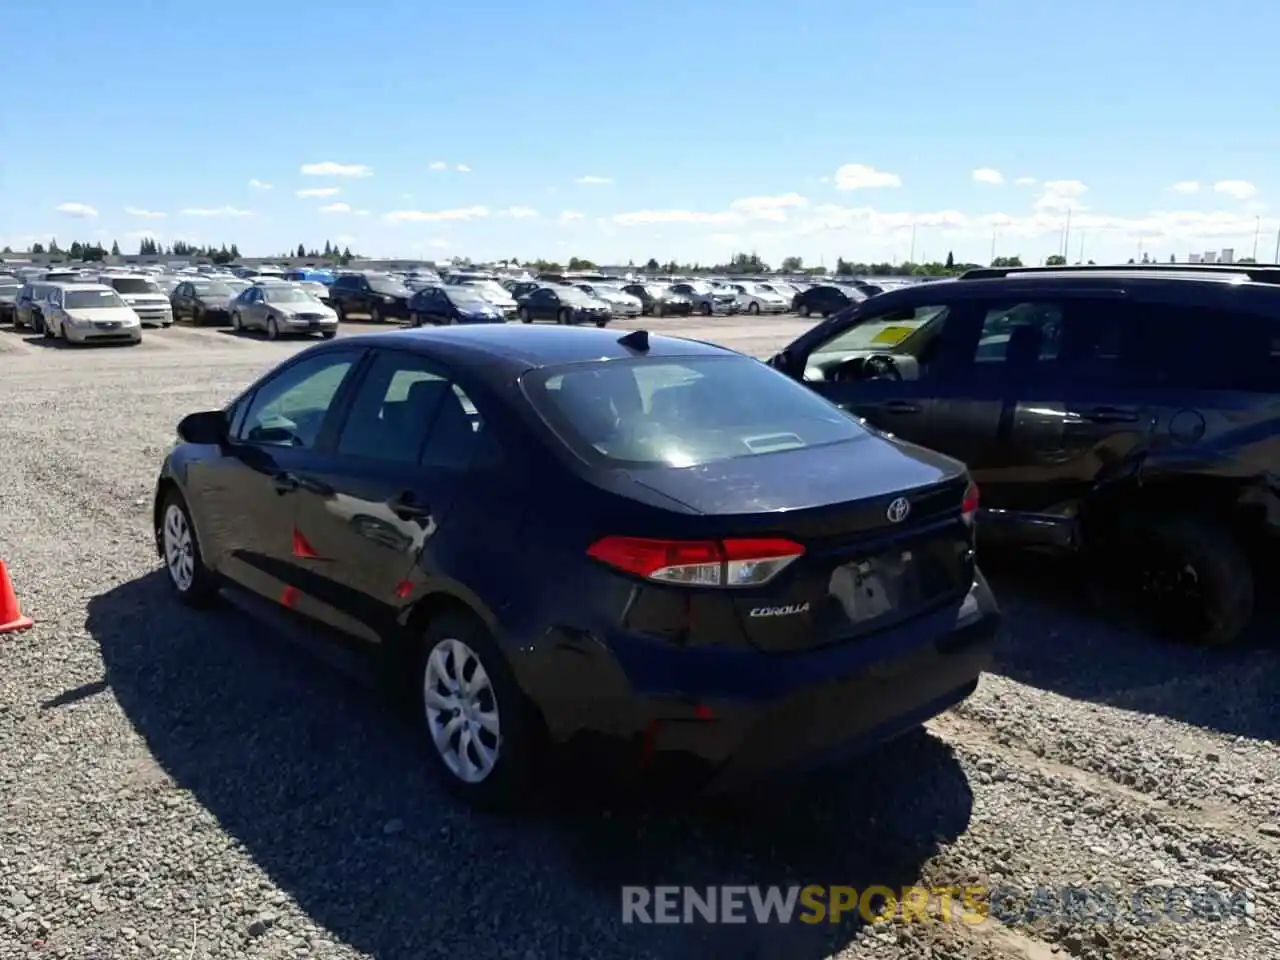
x,y
682,411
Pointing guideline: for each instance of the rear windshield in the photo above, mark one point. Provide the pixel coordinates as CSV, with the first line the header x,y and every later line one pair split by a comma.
x,y
682,412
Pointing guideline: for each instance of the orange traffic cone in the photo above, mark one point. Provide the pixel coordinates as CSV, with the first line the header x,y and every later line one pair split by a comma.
x,y
11,618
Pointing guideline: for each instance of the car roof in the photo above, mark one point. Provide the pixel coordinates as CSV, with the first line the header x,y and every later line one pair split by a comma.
x,y
514,348
81,285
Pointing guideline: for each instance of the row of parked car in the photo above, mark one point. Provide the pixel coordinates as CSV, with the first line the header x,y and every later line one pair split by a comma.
x,y
725,560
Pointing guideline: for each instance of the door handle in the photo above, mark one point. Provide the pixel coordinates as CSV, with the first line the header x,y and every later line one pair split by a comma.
x,y
285,483
406,507
1111,415
898,406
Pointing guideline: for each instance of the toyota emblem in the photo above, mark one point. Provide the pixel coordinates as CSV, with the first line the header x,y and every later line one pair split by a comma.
x,y
898,510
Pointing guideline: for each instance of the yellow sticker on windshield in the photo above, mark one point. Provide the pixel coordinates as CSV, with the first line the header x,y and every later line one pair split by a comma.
x,y
891,335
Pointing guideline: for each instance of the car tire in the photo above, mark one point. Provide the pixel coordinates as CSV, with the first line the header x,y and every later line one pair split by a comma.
x,y
705,309
339,312
524,316
375,315
564,318
273,329
803,310
753,308
1191,577
414,319
197,317
328,334
193,582
657,310
602,322
237,324
496,716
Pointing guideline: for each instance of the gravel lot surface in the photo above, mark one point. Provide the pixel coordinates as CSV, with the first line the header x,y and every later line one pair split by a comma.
x,y
186,786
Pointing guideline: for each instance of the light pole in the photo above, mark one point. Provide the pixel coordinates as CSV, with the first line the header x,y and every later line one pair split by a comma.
x,y
1257,232
912,258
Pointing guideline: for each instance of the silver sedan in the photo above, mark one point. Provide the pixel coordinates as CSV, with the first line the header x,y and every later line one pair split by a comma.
x,y
280,309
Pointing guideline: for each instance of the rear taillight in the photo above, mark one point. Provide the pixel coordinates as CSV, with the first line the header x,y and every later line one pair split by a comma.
x,y
969,507
699,563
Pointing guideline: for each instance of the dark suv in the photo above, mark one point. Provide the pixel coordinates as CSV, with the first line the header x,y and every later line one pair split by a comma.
x,y
377,297
1128,416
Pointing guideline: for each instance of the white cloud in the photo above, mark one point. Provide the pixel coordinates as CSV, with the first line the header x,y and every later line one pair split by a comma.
x,y
319,192
434,216
570,216
988,175
520,213
330,169
439,244
145,214
768,208
438,165
345,238
1061,196
462,168
1186,186
594,180
336,208
259,184
1240,189
745,209
81,210
216,212
442,165
1025,181
858,176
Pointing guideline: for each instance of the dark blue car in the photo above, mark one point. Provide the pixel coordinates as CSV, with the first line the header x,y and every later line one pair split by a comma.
x,y
446,305
554,536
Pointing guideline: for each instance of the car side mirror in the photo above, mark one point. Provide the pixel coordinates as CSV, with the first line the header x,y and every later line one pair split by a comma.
x,y
208,427
783,362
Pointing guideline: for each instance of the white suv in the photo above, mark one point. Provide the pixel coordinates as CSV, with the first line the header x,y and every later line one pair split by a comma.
x,y
141,292
86,312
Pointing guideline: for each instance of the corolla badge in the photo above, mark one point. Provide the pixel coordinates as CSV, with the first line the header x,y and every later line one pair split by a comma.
x,y
898,510
785,611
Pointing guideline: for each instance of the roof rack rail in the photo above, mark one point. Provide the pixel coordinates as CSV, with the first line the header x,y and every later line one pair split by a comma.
x,y
1255,273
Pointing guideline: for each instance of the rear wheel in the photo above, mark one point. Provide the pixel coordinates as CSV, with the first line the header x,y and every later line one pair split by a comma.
x,y
753,308
273,329
480,731
375,315
705,309
524,316
564,318
236,323
804,310
1189,578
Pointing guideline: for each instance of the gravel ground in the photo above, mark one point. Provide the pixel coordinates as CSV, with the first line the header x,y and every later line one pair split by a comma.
x,y
182,785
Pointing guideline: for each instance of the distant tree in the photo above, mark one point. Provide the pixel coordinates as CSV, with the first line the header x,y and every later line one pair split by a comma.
x,y
37,248
235,252
115,249
7,249
652,265
579,263
328,250
792,265
951,261
1056,260
75,251
302,251
1007,262
53,245
1131,259
346,256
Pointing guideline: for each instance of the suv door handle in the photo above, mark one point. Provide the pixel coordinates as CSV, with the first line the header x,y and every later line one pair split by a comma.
x,y
406,506
285,483
898,406
1112,415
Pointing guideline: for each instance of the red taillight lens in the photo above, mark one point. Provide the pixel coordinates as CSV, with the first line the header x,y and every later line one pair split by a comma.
x,y
698,563
969,508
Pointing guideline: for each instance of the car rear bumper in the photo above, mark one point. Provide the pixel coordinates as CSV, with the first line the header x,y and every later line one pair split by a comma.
x,y
743,714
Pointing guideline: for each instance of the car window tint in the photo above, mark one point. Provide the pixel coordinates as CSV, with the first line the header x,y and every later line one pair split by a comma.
x,y
902,331
683,412
394,408
290,408
1010,328
457,434
1167,345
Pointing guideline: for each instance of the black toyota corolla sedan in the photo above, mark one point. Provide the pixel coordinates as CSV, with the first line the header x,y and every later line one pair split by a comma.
x,y
552,535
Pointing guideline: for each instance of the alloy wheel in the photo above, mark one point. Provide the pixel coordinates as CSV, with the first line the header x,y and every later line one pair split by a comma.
x,y
179,548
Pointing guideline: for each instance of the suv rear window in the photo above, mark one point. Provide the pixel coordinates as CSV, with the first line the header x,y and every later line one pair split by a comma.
x,y
682,411
134,285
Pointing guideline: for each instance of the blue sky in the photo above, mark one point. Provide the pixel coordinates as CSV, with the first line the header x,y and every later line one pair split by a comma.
x,y
620,131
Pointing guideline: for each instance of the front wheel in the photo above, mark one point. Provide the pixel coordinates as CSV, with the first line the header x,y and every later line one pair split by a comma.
x,y
236,323
329,334
273,329
180,548
524,316
375,315
564,318
705,309
753,309
480,731
803,310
